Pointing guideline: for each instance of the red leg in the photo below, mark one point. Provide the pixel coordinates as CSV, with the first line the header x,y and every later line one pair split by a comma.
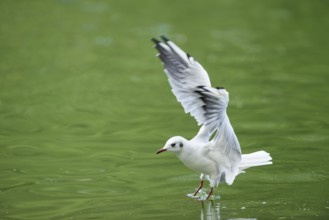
x,y
201,185
210,192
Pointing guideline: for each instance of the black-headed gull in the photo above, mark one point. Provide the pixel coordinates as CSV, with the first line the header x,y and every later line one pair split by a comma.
x,y
218,159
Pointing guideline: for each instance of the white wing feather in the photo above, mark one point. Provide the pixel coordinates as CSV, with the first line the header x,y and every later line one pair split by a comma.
x,y
191,85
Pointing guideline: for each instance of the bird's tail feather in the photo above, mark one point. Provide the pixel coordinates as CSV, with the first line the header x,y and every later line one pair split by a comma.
x,y
259,158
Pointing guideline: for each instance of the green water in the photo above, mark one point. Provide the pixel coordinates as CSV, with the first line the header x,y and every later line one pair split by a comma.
x,y
84,105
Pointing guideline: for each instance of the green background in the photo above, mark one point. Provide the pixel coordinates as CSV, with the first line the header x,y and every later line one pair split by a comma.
x,y
84,105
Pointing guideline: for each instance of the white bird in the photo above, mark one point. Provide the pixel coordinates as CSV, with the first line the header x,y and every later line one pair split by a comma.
x,y
218,159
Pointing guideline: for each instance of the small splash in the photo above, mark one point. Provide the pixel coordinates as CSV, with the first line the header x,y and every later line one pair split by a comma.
x,y
202,196
191,195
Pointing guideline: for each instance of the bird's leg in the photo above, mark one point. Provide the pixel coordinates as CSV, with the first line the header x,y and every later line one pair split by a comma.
x,y
201,185
210,192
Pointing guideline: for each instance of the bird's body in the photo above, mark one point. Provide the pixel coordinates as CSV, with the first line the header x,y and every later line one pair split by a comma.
x,y
215,151
196,157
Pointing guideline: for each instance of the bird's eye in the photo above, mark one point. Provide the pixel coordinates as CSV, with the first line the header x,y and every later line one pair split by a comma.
x,y
173,145
181,144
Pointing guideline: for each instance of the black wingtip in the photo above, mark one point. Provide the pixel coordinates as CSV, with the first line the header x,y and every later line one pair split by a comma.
x,y
164,38
156,41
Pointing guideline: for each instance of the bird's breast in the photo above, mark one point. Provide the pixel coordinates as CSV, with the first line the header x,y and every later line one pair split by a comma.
x,y
199,163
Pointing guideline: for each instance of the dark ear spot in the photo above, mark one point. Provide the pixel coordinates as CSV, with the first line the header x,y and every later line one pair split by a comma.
x,y
181,144
173,145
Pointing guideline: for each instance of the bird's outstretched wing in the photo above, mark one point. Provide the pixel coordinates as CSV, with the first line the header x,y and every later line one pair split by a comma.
x,y
191,85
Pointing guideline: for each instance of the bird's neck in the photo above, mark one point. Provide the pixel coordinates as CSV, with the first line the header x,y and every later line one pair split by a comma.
x,y
187,153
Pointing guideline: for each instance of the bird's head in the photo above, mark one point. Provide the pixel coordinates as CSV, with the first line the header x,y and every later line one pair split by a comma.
x,y
175,144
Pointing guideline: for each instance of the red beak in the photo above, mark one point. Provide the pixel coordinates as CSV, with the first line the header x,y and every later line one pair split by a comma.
x,y
161,150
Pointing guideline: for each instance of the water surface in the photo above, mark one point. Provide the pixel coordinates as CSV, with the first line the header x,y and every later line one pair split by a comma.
x,y
84,105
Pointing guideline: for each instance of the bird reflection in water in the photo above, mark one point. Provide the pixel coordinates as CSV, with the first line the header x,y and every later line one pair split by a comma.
x,y
210,210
